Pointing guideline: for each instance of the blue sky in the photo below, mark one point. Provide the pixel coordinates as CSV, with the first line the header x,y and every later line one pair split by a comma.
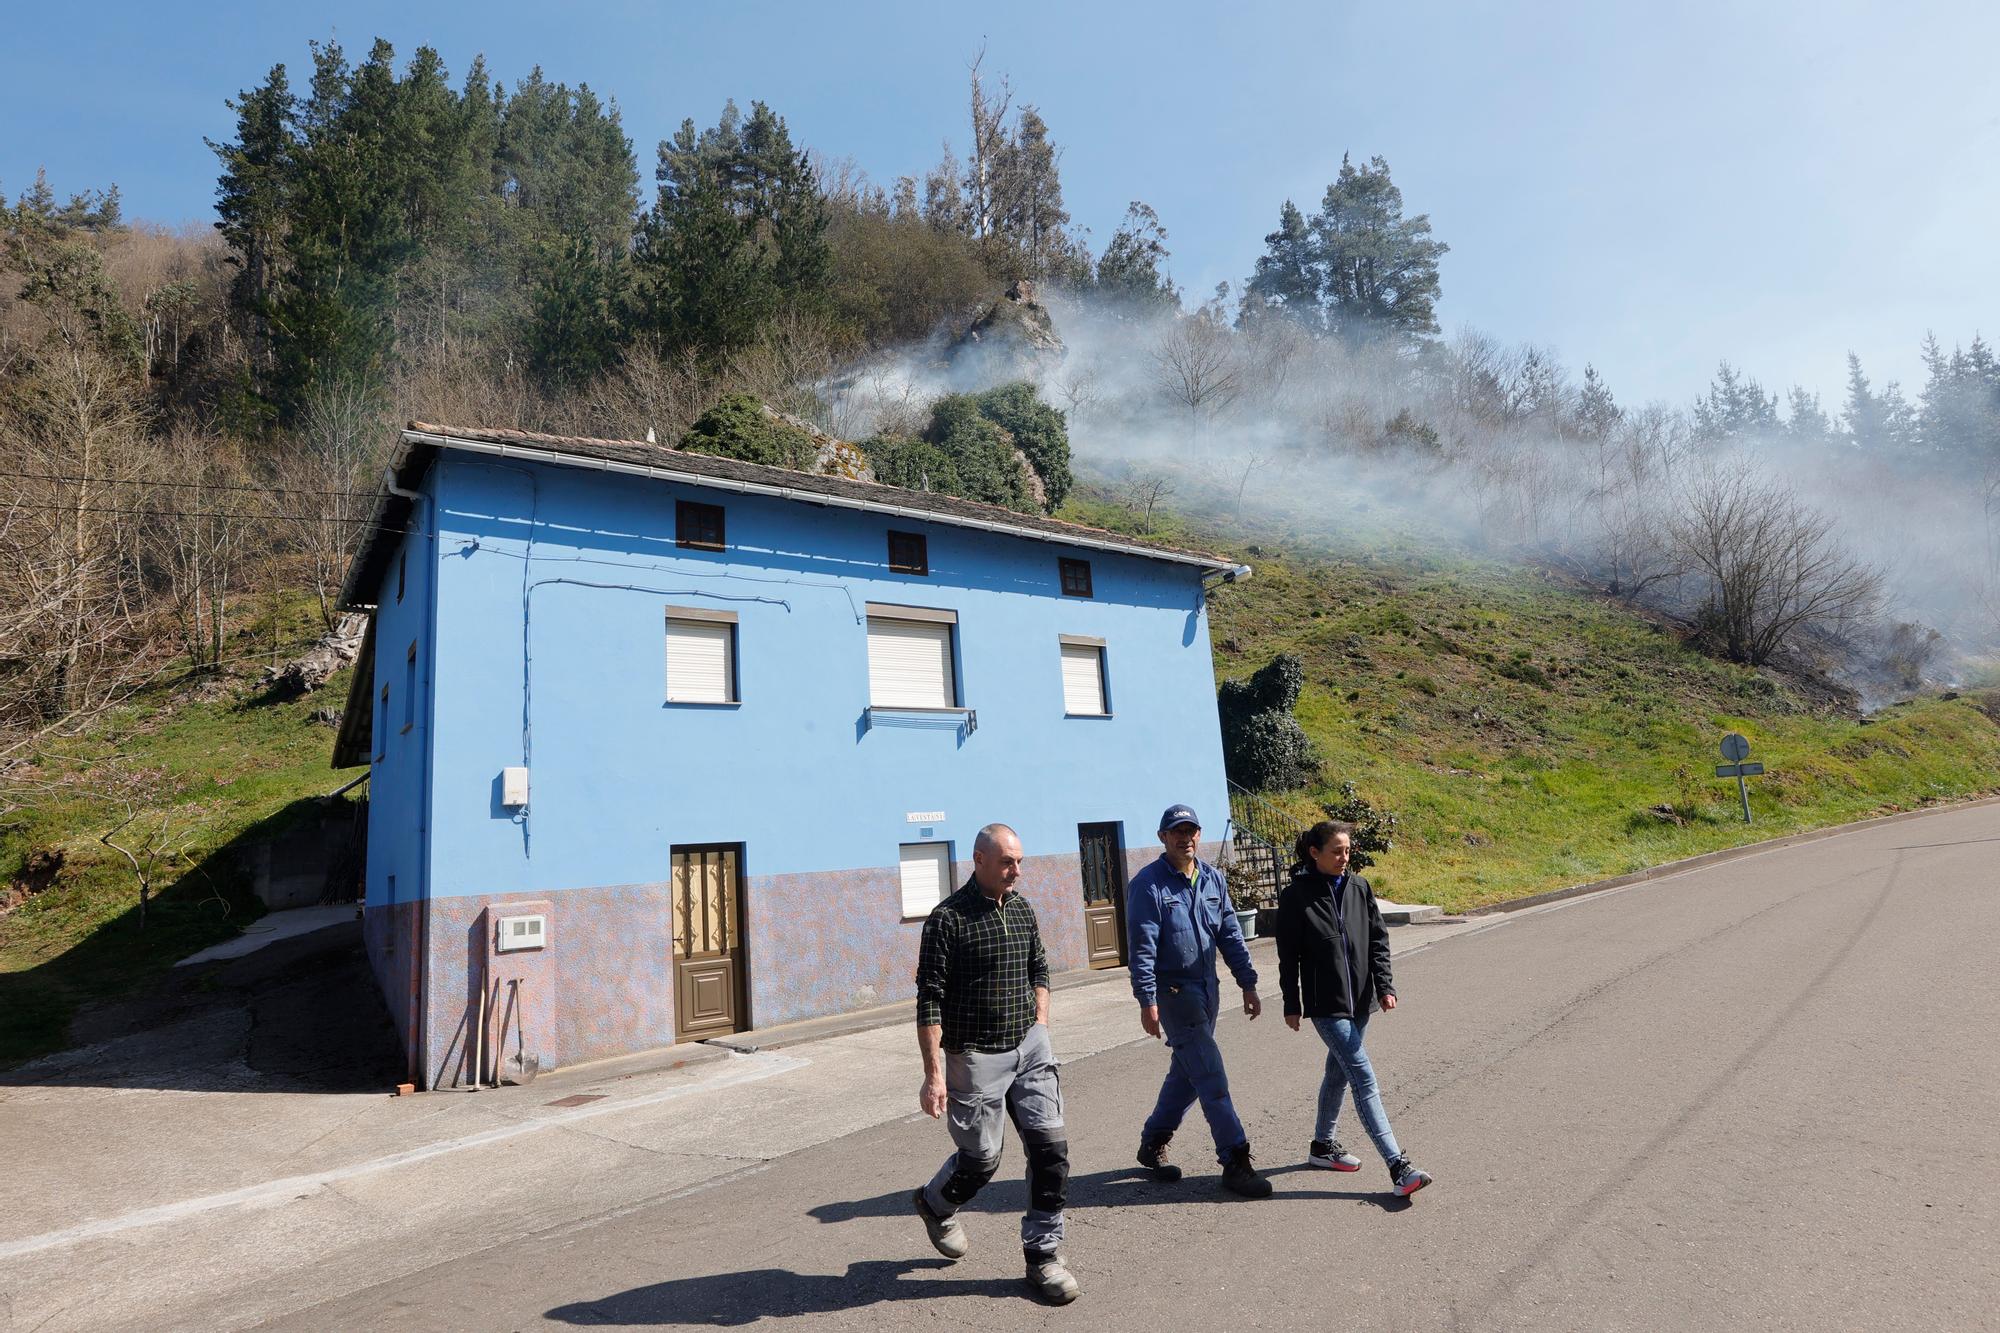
x,y
1650,188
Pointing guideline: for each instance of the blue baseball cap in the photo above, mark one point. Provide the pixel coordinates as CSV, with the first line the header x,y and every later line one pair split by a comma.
x,y
1179,814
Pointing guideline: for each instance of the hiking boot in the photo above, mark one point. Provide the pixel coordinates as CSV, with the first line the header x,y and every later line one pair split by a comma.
x,y
1153,1156
1239,1176
1407,1178
1329,1154
1051,1278
947,1233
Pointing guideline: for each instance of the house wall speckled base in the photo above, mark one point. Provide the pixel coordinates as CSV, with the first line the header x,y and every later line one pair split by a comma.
x,y
815,944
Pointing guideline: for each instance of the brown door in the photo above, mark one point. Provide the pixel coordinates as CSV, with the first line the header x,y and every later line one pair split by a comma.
x,y
1103,893
708,941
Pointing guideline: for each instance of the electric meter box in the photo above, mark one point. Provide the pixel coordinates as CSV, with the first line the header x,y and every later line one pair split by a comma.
x,y
522,932
514,787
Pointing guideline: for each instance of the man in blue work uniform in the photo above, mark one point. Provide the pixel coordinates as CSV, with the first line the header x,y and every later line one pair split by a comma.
x,y
1178,915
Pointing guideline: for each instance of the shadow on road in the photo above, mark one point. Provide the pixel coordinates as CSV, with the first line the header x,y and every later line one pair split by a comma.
x,y
731,1299
1125,1187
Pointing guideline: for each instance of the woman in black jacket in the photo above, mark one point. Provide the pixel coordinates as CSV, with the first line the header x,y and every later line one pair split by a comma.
x,y
1333,964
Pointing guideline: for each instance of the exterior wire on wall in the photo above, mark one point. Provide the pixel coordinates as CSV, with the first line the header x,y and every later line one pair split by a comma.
x,y
527,661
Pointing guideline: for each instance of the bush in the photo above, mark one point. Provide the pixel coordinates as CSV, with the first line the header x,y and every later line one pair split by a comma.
x,y
1040,431
980,450
1374,830
912,464
1263,746
739,427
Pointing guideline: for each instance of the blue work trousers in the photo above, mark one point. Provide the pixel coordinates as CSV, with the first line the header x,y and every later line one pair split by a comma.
x,y
1187,1020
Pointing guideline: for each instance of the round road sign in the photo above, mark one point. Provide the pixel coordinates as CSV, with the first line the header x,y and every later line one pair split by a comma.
x,y
1734,748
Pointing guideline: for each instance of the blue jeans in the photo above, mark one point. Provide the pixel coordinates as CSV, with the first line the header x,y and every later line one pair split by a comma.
x,y
1187,1020
1347,1067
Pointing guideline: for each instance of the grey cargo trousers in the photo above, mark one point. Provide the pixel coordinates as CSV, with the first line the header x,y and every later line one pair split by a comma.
x,y
980,1089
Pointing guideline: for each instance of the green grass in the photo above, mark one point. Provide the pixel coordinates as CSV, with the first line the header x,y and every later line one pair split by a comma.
x,y
1525,730
224,767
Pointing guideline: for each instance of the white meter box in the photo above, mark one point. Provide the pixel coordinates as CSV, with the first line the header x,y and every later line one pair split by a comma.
x,y
522,932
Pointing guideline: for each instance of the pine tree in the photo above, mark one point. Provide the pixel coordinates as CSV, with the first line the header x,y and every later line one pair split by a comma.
x,y
1863,416
1597,413
1129,269
1287,278
1735,407
1380,269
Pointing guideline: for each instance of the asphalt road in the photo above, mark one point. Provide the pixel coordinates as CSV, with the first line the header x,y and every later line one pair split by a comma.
x,y
1762,1094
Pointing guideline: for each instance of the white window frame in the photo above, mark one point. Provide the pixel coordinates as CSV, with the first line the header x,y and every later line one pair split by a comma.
x,y
702,617
935,626
938,853
1072,647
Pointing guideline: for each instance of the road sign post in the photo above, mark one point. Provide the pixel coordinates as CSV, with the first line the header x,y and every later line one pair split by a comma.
x,y
1736,749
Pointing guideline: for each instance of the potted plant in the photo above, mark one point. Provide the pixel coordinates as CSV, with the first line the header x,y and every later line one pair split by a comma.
x,y
1247,891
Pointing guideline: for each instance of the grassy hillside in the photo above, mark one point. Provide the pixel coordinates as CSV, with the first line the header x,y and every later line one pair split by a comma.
x,y
221,767
1532,735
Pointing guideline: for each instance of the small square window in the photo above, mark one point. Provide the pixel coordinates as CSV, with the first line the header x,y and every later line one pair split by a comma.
x,y
909,553
698,525
701,656
1075,577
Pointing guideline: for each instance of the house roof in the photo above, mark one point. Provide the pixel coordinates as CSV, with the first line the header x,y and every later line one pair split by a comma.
x,y
421,442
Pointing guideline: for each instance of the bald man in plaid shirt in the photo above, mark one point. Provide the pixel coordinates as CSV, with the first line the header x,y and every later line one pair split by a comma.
x,y
982,1026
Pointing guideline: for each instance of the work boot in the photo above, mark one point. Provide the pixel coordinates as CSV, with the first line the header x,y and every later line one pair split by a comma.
x,y
1239,1176
1329,1154
947,1233
1153,1156
1407,1178
1051,1278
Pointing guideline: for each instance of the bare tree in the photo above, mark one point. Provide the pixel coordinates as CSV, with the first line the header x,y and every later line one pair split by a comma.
x,y
1146,491
1195,366
321,491
151,855
1773,565
197,534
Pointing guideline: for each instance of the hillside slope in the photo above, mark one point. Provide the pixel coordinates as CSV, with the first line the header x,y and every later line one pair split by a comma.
x,y
1531,734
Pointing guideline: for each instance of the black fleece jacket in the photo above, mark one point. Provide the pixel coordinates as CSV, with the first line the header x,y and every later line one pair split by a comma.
x,y
1320,979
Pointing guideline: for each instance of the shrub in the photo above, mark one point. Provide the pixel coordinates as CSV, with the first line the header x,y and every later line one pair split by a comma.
x,y
980,450
912,464
1263,746
1040,432
739,427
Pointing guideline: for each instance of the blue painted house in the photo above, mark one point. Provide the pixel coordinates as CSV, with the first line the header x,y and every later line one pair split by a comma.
x,y
666,746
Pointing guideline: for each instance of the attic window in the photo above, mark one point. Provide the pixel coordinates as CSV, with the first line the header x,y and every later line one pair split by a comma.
x,y
1075,578
698,525
909,553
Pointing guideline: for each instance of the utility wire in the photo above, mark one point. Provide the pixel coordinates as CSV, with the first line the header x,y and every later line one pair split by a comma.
x,y
187,485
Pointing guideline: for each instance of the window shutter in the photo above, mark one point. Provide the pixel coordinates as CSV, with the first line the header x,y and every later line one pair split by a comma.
x,y
1083,679
698,666
909,664
926,871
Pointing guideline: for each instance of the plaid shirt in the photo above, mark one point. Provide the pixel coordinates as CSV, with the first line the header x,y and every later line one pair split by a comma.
x,y
978,970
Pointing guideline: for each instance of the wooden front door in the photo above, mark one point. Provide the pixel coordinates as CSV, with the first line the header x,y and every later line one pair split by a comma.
x,y
1103,893
708,941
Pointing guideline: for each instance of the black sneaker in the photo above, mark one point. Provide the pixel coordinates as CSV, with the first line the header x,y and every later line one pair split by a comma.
x,y
1239,1176
1407,1178
1332,1156
1153,1156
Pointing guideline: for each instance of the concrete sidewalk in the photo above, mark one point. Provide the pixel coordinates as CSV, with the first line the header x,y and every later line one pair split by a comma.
x,y
214,1204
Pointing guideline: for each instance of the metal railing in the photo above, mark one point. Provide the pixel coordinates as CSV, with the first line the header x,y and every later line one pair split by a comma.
x,y
1262,836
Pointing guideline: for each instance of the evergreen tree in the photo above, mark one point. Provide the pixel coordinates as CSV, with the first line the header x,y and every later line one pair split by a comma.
x,y
1129,269
1038,430
1029,215
1735,407
1866,425
1806,422
1380,269
1287,277
738,233
1597,413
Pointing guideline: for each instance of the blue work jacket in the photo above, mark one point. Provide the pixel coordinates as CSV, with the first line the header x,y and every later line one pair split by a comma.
x,y
1174,930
